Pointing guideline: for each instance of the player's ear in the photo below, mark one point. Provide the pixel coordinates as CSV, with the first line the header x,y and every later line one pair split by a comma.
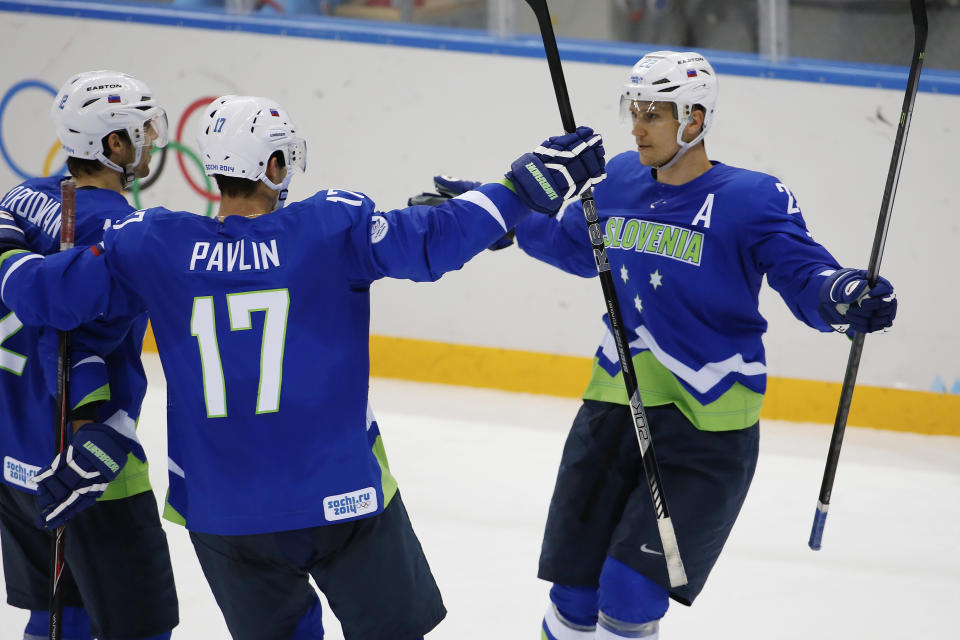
x,y
114,145
694,126
697,117
275,169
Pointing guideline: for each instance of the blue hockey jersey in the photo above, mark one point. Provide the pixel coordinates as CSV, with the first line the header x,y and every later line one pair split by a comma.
x,y
31,211
262,325
688,262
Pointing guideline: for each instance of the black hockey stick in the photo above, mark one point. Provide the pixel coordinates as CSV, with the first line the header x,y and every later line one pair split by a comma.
x,y
919,10
68,208
668,538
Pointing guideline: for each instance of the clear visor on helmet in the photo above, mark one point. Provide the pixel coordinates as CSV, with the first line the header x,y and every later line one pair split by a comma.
x,y
156,128
646,110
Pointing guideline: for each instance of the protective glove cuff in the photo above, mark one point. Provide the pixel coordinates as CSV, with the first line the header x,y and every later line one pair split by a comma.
x,y
104,448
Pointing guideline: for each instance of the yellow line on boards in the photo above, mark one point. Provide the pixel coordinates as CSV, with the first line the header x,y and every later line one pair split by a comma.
x,y
488,367
790,399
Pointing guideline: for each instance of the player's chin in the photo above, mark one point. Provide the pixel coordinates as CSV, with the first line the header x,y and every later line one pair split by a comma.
x,y
142,172
647,158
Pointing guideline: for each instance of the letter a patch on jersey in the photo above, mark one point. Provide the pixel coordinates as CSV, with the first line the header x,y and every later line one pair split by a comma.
x,y
705,212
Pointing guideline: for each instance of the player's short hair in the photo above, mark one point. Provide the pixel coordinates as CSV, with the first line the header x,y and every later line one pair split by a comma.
x,y
84,167
233,187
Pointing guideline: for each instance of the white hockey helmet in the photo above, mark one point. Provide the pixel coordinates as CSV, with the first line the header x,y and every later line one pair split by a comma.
x,y
684,79
93,104
238,134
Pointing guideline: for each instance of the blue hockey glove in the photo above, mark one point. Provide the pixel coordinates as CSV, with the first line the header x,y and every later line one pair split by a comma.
x,y
451,187
847,302
559,169
80,475
447,187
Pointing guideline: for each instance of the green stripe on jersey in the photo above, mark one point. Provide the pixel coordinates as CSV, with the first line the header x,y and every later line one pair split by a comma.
x,y
172,515
737,408
387,482
132,480
97,395
9,254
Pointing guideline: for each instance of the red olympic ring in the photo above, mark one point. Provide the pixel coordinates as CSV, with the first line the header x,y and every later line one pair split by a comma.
x,y
196,104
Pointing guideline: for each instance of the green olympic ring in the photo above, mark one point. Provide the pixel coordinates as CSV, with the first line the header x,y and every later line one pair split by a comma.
x,y
176,146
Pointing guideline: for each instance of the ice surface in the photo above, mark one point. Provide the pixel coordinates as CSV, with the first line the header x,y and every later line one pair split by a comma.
x,y
476,470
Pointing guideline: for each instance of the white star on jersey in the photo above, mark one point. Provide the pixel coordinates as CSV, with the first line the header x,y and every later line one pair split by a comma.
x,y
656,279
623,273
638,304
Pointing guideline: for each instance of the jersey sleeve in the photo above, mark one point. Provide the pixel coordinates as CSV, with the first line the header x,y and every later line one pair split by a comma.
x,y
69,288
781,247
89,380
93,342
11,235
560,240
422,243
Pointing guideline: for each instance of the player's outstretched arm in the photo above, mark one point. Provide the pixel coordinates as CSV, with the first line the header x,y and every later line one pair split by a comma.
x,y
422,243
561,241
779,245
80,475
450,187
62,291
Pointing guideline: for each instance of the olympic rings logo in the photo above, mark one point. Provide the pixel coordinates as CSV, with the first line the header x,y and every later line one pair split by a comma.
x,y
7,97
206,190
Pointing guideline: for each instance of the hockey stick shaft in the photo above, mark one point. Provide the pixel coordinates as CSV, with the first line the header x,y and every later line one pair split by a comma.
x,y
68,208
668,538
919,10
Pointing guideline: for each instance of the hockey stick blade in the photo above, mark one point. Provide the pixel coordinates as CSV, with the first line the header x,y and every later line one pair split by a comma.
x,y
918,10
671,551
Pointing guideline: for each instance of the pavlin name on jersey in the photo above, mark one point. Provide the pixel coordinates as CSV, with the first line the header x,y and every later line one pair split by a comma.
x,y
235,256
654,237
35,207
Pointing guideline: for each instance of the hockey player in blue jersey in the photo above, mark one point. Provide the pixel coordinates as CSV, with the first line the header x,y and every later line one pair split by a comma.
x,y
118,570
261,316
689,241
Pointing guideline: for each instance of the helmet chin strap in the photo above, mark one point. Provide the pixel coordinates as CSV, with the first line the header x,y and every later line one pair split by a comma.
x,y
282,188
281,199
684,146
672,161
127,175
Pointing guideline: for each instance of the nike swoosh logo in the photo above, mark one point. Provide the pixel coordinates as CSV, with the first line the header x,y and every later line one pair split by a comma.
x,y
647,549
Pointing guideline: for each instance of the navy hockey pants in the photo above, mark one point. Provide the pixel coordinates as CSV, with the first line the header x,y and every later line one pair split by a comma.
x,y
601,503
